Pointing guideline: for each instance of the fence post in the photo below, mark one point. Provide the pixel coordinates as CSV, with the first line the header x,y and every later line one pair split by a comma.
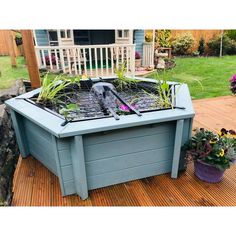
x,y
11,49
28,45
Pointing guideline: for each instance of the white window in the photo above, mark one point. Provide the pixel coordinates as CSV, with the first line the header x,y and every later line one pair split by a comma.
x,y
65,34
124,34
52,37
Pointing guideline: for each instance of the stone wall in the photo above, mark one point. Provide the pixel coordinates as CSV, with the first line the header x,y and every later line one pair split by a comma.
x,y
9,151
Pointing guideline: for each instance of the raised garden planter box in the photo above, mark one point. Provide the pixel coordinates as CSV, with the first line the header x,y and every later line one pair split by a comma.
x,y
96,153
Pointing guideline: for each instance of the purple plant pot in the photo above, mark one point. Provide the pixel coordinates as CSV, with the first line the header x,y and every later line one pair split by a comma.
x,y
208,172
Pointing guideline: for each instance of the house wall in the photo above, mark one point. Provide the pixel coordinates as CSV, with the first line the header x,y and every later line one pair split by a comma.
x,y
41,37
139,38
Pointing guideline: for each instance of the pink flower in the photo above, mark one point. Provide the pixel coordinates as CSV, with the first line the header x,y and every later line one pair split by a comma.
x,y
126,108
233,78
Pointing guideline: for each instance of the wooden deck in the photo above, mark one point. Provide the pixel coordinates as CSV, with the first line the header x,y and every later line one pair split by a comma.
x,y
34,185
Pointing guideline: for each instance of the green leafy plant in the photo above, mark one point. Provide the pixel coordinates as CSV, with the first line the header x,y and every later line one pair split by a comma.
x,y
218,150
122,80
228,45
182,44
70,108
163,38
51,87
231,34
163,96
201,46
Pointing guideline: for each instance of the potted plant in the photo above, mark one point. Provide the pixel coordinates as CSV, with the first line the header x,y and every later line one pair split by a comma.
x,y
138,60
212,153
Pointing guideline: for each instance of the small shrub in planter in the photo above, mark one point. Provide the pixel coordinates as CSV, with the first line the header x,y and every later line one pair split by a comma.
x,y
233,84
212,153
228,46
182,44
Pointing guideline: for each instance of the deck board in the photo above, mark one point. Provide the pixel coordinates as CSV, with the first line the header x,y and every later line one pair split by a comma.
x,y
34,185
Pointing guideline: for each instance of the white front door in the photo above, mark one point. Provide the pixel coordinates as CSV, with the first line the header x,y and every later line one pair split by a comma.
x,y
123,36
65,37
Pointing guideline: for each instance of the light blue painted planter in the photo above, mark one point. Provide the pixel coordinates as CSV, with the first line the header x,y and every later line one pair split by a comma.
x,y
92,154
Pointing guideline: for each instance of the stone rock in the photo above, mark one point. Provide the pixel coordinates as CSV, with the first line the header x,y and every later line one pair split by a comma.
x,y
161,63
17,89
9,151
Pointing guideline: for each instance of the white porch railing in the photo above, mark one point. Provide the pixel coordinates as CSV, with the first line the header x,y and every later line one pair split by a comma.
x,y
91,60
148,55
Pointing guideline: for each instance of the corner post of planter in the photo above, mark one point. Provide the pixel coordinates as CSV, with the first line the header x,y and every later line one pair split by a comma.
x,y
20,134
78,163
177,147
30,56
56,157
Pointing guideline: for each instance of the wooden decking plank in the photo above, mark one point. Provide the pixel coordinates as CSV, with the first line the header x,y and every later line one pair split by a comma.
x,y
76,201
121,196
41,195
100,197
137,191
176,197
16,173
158,197
219,117
184,193
24,183
197,124
223,192
56,198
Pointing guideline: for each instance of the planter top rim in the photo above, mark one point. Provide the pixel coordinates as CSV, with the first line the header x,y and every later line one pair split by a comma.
x,y
53,123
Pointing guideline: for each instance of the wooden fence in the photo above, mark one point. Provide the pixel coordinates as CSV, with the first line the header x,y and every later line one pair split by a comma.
x,y
4,43
197,34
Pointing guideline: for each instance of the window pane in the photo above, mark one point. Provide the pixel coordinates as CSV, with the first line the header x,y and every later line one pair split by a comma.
x,y
120,33
126,33
52,35
63,34
68,34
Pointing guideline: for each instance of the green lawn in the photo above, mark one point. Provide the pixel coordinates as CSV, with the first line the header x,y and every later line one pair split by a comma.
x,y
213,73
8,74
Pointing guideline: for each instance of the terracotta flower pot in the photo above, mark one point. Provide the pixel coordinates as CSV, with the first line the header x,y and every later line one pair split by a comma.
x,y
207,172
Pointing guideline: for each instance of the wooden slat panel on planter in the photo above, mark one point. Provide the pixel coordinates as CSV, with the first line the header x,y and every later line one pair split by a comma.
x,y
35,185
